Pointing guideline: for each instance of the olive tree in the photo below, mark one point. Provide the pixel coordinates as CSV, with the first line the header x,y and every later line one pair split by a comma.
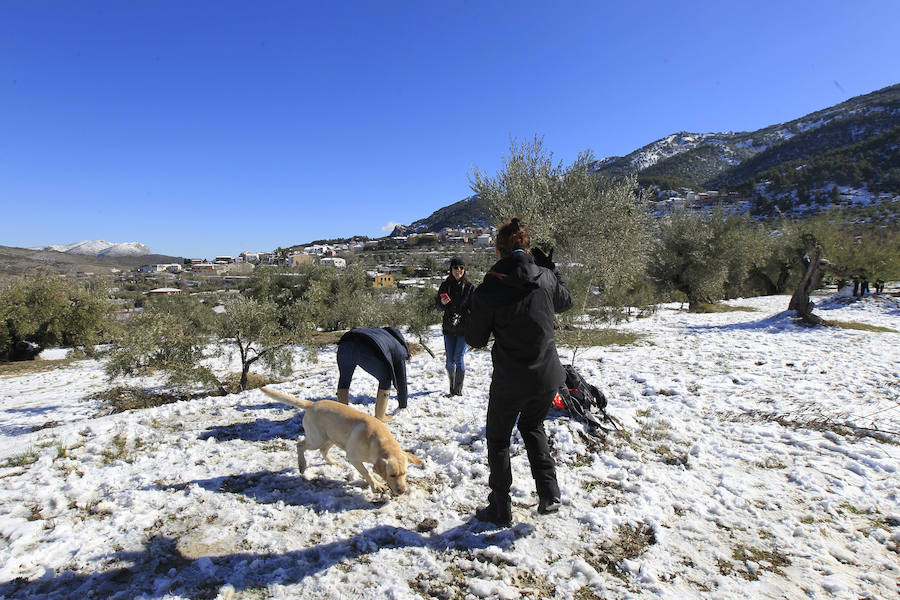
x,y
595,223
341,299
706,256
173,336
414,309
48,310
262,331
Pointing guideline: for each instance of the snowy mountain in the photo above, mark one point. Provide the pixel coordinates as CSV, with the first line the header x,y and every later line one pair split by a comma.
x,y
854,145
716,160
99,248
468,212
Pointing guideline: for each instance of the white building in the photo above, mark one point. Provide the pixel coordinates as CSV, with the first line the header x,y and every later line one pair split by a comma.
x,y
159,268
340,263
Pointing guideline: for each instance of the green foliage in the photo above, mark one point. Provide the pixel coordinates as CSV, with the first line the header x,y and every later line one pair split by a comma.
x,y
871,163
414,309
260,331
857,249
341,299
598,223
706,256
50,310
172,336
783,265
276,284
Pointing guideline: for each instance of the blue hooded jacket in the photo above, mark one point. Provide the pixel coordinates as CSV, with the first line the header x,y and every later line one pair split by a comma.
x,y
390,344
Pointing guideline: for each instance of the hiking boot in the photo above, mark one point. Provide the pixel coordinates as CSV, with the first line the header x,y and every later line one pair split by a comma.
x,y
547,506
489,515
492,513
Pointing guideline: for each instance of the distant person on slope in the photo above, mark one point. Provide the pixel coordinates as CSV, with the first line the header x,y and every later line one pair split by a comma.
x,y
453,298
382,352
516,303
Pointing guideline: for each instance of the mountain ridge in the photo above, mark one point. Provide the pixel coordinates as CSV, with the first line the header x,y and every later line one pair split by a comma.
x,y
98,248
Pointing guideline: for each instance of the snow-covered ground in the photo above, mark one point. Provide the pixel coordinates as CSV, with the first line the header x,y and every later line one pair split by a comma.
x,y
759,459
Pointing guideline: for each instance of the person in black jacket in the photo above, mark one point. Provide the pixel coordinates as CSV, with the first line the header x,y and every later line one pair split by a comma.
x,y
453,298
380,351
516,303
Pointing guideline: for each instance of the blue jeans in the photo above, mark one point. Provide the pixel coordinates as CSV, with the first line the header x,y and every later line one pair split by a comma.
x,y
353,354
455,349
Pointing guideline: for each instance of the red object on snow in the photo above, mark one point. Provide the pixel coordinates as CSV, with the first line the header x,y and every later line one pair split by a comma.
x,y
558,402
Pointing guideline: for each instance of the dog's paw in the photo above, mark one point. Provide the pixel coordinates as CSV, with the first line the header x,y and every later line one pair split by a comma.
x,y
381,490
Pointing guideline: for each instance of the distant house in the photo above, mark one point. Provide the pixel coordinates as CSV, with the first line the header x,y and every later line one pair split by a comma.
x,y
163,292
483,240
237,268
204,267
301,259
383,280
159,268
330,261
319,250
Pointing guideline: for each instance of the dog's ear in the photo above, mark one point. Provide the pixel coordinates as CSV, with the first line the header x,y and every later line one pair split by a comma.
x,y
380,467
413,458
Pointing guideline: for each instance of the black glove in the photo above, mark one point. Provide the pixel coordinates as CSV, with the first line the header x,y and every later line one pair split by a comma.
x,y
543,260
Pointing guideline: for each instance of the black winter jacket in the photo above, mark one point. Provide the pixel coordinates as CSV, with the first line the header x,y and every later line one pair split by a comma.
x,y
388,343
456,312
516,302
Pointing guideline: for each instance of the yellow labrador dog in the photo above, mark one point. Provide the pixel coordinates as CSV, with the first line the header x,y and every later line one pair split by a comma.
x,y
364,438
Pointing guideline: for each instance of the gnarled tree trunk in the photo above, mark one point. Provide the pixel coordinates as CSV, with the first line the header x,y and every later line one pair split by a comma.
x,y
800,302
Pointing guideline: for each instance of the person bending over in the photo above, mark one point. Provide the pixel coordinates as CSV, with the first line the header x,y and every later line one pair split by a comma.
x,y
382,352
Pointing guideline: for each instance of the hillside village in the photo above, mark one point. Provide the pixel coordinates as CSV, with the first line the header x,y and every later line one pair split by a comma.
x,y
394,261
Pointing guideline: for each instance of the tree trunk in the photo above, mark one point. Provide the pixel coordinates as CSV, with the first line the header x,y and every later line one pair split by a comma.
x,y
244,371
766,281
800,302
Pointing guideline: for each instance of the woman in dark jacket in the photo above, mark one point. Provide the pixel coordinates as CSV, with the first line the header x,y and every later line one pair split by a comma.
x,y
453,298
380,351
516,303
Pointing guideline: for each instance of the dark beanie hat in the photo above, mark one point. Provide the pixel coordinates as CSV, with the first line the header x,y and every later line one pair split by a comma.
x,y
456,261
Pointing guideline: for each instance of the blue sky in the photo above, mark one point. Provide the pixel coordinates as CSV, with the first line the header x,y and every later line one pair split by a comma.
x,y
209,128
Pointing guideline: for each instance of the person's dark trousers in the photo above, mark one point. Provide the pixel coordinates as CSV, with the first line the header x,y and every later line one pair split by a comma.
x,y
356,354
530,411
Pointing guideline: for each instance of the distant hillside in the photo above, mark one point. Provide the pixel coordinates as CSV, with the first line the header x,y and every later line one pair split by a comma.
x,y
469,212
20,261
853,144
730,160
874,162
100,248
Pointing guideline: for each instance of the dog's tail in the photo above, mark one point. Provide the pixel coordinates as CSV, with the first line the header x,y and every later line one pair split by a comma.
x,y
286,398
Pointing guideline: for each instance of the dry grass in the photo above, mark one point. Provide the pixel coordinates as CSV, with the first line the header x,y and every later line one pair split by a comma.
x,y
596,337
122,398
860,326
704,307
629,542
29,367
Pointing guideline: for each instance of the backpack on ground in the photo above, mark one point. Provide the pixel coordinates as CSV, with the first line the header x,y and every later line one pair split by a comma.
x,y
582,400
